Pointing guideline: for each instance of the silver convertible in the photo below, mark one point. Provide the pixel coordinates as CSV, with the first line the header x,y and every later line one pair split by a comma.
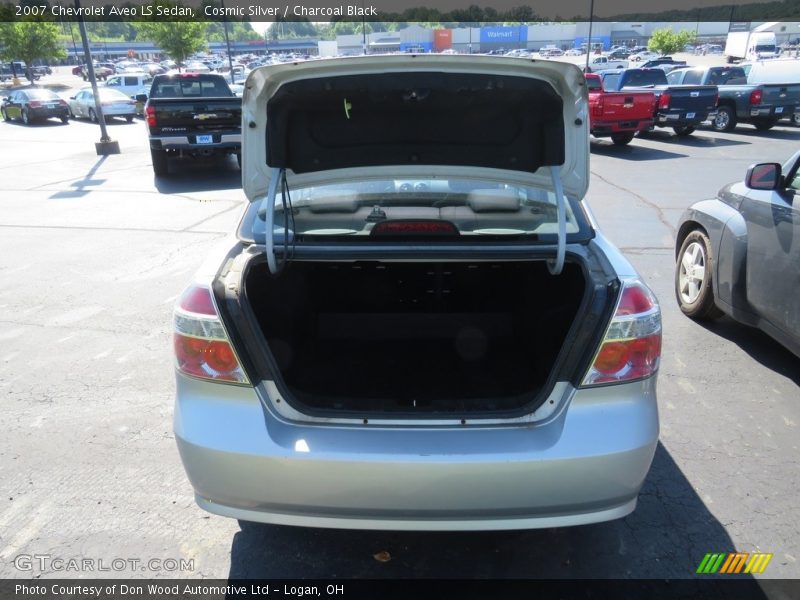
x,y
417,323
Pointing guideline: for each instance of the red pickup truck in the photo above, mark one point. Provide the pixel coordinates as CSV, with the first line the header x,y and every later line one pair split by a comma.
x,y
618,115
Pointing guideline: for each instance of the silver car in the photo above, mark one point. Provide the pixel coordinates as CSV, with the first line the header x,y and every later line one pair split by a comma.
x,y
114,104
418,324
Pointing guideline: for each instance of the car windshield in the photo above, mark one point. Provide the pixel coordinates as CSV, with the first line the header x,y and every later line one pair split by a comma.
x,y
726,76
465,206
644,78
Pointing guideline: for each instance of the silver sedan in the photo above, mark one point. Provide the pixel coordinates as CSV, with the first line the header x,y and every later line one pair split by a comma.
x,y
114,104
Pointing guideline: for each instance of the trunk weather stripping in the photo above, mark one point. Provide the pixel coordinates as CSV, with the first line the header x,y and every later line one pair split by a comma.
x,y
278,177
556,266
267,210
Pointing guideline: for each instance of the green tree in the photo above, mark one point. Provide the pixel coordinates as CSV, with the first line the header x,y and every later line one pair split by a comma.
x,y
178,39
30,40
666,41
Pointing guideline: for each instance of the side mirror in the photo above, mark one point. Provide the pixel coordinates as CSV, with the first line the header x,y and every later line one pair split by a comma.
x,y
72,97
763,176
141,97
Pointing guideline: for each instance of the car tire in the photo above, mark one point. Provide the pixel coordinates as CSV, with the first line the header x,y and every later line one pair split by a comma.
x,y
725,119
26,117
160,167
129,119
621,139
65,120
693,269
683,131
764,124
92,116
796,119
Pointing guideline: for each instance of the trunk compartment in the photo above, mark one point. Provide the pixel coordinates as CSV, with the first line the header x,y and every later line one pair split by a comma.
x,y
420,338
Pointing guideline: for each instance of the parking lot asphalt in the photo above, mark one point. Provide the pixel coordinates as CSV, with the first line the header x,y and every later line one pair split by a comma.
x,y
94,251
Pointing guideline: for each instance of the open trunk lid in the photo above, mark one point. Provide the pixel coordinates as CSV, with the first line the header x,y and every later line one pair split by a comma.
x,y
503,119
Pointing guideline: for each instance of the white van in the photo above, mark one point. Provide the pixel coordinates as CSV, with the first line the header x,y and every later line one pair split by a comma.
x,y
782,70
129,83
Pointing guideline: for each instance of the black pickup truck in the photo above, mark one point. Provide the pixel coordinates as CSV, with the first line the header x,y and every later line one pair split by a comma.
x,y
681,107
192,114
762,105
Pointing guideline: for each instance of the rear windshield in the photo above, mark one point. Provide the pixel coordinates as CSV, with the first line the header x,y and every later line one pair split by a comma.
x,y
189,87
469,207
593,84
726,76
644,78
40,94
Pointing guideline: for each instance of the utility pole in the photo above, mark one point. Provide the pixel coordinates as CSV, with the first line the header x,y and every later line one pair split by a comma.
x,y
589,45
227,41
106,145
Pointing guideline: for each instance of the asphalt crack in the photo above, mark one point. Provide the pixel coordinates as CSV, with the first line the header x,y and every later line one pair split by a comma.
x,y
659,212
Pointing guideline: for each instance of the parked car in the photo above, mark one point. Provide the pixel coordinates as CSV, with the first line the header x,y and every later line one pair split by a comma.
x,y
680,107
662,61
575,52
618,115
100,72
114,104
644,56
36,104
192,114
603,62
619,53
417,325
738,254
129,83
739,101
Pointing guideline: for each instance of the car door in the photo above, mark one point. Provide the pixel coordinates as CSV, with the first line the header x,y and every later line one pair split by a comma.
x,y
13,107
773,252
80,104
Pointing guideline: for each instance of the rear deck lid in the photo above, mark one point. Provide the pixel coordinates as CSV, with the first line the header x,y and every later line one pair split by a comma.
x,y
396,116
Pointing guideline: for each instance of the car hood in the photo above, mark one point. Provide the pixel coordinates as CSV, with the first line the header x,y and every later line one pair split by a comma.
x,y
395,116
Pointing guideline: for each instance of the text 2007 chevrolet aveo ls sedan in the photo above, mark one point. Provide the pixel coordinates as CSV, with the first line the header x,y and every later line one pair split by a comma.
x,y
417,324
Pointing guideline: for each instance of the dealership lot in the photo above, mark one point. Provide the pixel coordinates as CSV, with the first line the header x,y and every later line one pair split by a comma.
x,y
93,252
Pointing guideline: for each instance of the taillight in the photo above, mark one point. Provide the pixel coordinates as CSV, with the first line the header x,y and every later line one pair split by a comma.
x,y
62,102
597,109
663,100
631,348
202,347
34,104
150,113
755,97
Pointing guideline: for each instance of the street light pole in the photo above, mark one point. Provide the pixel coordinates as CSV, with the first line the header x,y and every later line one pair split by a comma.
x,y
227,41
106,145
589,45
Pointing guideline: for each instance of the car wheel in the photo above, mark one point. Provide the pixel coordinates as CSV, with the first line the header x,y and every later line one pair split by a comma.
x,y
160,167
693,278
65,120
796,119
26,117
764,124
683,131
92,116
725,119
621,139
129,118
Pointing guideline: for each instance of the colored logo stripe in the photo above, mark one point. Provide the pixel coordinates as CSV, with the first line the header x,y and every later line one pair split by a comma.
x,y
733,562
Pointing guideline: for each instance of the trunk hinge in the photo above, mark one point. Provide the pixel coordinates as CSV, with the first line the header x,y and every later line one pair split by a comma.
x,y
267,210
555,266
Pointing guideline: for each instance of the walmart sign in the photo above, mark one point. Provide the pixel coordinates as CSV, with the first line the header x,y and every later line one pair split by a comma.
x,y
497,36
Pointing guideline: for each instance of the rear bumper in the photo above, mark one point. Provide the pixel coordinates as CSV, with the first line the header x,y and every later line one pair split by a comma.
x,y
586,464
776,112
221,141
47,113
602,129
682,118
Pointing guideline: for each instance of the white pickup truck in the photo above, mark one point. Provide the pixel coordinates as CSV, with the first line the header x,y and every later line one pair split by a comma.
x,y
599,63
